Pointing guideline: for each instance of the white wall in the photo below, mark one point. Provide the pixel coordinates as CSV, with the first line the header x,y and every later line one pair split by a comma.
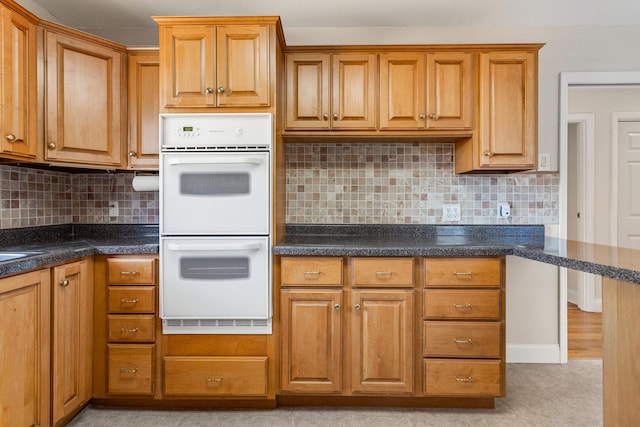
x,y
568,48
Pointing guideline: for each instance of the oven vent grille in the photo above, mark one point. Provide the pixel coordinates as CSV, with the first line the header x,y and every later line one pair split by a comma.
x,y
251,148
216,326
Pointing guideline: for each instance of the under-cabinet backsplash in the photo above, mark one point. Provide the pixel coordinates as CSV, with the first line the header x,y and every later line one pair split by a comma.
x,y
406,183
403,183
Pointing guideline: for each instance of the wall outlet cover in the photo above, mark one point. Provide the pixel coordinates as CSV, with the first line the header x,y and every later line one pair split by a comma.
x,y
450,213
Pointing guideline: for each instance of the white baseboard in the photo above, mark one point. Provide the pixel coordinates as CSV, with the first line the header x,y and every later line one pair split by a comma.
x,y
572,296
533,353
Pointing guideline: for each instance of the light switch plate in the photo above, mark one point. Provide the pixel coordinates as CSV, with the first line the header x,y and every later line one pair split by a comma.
x,y
544,160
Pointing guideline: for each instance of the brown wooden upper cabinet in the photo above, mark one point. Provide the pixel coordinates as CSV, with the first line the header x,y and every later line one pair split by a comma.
x,y
331,91
205,65
85,103
421,90
18,117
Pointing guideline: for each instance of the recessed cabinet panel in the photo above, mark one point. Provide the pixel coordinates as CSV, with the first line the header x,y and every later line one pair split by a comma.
x,y
450,98
354,91
307,91
402,90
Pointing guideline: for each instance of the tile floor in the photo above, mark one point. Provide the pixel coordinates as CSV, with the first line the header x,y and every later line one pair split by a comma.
x,y
537,395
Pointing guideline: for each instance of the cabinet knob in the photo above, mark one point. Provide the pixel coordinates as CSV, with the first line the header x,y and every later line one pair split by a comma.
x,y
325,116
433,116
357,307
12,138
422,116
337,306
132,154
64,282
335,116
209,90
487,153
51,145
220,89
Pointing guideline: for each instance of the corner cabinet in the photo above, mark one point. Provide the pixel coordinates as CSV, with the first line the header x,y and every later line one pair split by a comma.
x,y
24,338
18,119
85,102
218,62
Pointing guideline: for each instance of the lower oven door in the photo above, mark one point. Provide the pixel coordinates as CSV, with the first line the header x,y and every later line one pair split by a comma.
x,y
215,278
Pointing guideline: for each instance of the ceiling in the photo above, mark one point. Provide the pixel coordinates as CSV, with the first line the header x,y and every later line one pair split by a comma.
x,y
129,21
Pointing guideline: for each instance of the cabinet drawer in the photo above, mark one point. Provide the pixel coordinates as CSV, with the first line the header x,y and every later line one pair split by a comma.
x,y
463,272
131,328
481,378
459,304
462,339
311,271
130,368
125,271
383,272
132,299
215,376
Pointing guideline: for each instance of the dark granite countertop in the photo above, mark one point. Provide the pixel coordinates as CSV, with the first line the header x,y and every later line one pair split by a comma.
x,y
525,241
57,244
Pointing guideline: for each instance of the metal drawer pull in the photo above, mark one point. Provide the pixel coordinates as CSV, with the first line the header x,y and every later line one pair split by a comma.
x,y
467,305
463,273
129,273
337,306
64,282
460,341
214,380
128,371
311,273
125,330
357,307
129,301
464,379
383,273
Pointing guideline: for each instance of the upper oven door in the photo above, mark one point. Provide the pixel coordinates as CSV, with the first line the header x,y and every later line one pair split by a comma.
x,y
207,193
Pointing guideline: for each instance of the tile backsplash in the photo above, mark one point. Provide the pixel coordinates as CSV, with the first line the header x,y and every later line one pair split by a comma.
x,y
397,183
406,183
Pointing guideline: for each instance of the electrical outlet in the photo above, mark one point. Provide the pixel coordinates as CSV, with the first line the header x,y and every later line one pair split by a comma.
x,y
450,212
113,209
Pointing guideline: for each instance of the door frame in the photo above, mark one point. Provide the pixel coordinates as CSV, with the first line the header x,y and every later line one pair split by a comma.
x,y
567,79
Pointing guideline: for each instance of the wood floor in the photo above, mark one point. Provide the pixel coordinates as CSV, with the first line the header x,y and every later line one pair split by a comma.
x,y
585,334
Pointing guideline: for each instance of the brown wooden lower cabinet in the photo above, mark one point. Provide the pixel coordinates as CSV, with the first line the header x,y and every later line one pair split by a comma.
x,y
479,378
131,368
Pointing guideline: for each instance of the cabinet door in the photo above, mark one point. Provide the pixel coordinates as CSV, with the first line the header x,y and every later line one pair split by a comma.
x,y
242,65
72,337
353,91
508,110
18,131
83,101
382,341
307,91
24,340
187,76
402,90
449,90
311,344
144,87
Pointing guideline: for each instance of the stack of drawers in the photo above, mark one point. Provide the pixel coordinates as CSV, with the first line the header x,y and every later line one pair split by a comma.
x,y
131,325
463,327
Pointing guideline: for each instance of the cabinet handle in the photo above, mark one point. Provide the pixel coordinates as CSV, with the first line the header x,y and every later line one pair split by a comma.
x,y
463,273
422,116
215,380
357,307
132,154
132,331
433,116
464,379
209,90
487,153
64,282
12,138
129,273
383,273
337,307
325,116
461,341
467,305
311,273
128,371
220,89
129,301
335,116
51,145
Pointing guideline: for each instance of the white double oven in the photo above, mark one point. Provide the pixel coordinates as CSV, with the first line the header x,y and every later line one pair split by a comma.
x,y
215,223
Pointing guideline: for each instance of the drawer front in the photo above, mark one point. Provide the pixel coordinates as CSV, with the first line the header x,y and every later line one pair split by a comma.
x,y
132,299
124,271
462,339
130,369
131,328
382,272
478,378
463,272
311,271
215,376
459,304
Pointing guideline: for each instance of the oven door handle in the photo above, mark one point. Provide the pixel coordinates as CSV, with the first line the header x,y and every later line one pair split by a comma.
x,y
214,247
204,160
